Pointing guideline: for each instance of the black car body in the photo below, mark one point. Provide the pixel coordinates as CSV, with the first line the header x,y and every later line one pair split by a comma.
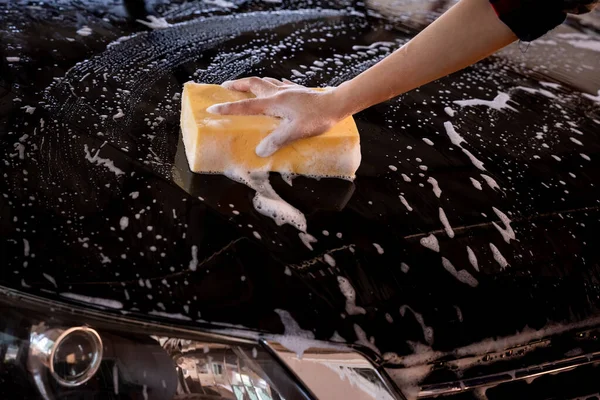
x,y
463,260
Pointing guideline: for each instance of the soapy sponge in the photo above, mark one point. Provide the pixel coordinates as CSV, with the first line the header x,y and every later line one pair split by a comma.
x,y
219,143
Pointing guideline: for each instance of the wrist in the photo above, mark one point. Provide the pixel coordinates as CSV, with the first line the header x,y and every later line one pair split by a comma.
x,y
342,101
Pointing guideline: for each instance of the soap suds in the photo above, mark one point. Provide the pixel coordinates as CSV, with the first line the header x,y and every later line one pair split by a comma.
x,y
124,223
26,248
94,300
474,160
491,182
462,275
350,294
404,267
294,337
540,91
193,265
406,178
267,202
220,3
435,186
458,140
444,221
476,184
507,232
105,162
393,168
449,111
154,23
431,243
403,200
170,315
50,278
427,330
576,141
379,248
499,103
329,260
13,59
429,142
586,44
362,339
307,239
472,259
551,85
592,97
119,114
85,31
498,256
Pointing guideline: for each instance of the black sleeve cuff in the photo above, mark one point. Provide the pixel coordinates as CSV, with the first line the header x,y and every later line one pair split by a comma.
x,y
528,19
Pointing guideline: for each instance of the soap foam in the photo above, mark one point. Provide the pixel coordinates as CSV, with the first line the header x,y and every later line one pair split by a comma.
x,y
403,200
105,162
124,223
462,275
472,259
404,267
294,337
427,330
350,294
266,201
507,232
154,23
378,248
491,182
499,103
307,239
329,259
94,300
431,243
85,31
434,186
444,221
476,184
498,256
540,91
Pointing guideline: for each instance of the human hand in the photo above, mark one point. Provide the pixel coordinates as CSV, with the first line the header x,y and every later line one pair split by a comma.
x,y
304,112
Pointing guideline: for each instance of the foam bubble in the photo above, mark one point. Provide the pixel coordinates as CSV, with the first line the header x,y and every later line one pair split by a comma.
x,y
431,243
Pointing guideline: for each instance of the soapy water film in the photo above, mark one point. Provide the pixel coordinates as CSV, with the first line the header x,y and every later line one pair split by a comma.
x,y
147,69
106,91
121,109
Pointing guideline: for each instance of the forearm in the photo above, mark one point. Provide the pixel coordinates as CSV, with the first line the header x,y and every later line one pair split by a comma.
x,y
465,34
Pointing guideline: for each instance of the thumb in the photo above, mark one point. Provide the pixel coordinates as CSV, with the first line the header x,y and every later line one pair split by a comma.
x,y
281,136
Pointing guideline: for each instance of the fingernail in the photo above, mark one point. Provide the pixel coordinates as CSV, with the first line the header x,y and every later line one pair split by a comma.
x,y
227,84
214,109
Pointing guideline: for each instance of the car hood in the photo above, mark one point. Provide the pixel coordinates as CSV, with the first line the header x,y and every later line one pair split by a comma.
x,y
467,220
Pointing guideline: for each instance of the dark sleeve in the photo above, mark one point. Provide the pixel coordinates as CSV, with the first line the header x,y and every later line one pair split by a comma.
x,y
530,19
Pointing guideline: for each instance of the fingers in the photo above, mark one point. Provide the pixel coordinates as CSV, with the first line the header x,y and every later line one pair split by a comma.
x,y
259,87
276,140
274,81
288,82
242,107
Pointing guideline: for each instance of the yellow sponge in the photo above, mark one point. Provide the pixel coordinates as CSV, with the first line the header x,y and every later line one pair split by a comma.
x,y
218,143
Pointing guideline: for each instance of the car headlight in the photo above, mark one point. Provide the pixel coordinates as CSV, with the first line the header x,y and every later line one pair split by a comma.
x,y
52,351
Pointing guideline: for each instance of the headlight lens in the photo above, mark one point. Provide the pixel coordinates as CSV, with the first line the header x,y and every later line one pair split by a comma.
x,y
51,355
72,356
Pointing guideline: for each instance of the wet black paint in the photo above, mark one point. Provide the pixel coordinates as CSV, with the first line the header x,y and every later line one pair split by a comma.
x,y
66,210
